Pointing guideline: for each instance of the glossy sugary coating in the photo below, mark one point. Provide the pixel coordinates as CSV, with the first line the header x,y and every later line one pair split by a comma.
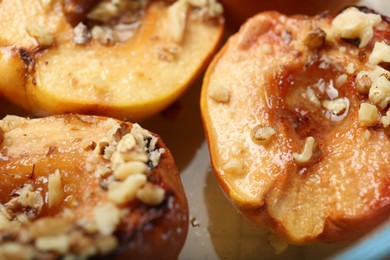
x,y
295,75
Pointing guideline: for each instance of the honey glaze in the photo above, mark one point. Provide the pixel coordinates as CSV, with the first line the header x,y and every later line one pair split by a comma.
x,y
313,99
18,173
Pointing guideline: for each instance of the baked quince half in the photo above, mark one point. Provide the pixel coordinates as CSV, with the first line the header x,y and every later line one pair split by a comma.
x,y
126,58
83,187
296,112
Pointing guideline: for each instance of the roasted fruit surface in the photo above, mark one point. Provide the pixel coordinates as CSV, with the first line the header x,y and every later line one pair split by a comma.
x,y
237,12
126,59
296,112
87,187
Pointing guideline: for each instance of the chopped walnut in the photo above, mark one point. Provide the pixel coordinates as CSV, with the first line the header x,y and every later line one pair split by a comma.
x,y
368,114
308,152
107,218
363,82
350,68
177,14
59,244
151,194
379,92
263,134
365,79
126,143
385,120
48,226
341,80
155,156
336,106
13,250
233,166
126,169
219,93
27,198
310,95
122,192
135,155
104,35
55,189
81,34
315,39
380,53
352,24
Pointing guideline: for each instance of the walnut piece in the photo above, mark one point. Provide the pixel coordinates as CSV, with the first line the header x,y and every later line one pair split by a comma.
x,y
315,39
368,114
151,194
122,192
380,53
379,92
307,154
219,93
233,166
55,189
263,134
352,24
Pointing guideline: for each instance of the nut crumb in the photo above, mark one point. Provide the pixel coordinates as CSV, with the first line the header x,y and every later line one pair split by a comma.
x,y
350,68
129,168
310,95
363,82
59,244
233,166
315,39
366,134
177,14
308,151
352,24
263,134
107,218
368,114
122,192
385,120
151,194
379,92
341,80
380,53
55,189
336,106
219,93
81,35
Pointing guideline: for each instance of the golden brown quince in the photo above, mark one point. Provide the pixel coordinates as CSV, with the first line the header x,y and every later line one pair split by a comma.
x,y
126,59
87,187
296,112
